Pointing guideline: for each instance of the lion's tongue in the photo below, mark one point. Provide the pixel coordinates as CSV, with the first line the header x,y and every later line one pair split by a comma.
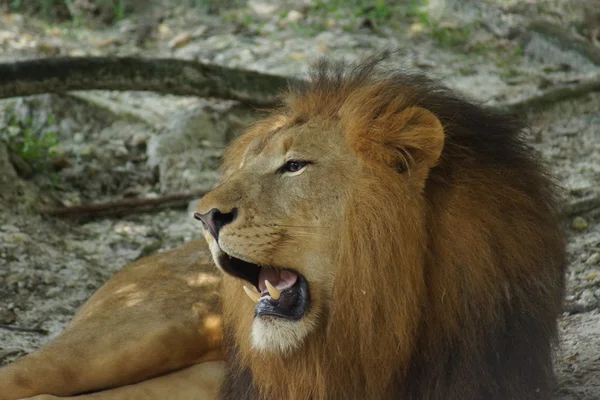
x,y
280,279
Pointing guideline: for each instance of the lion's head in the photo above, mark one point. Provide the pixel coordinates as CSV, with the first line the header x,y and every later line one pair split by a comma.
x,y
391,235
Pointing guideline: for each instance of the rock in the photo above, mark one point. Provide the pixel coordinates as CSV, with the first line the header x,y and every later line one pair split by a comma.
x,y
587,301
294,17
269,28
579,224
49,47
263,8
139,140
23,168
594,259
180,40
54,291
6,353
7,316
109,42
185,131
59,161
77,53
10,228
199,31
17,238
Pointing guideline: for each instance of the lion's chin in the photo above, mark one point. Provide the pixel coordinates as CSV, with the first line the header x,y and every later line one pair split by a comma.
x,y
281,295
277,335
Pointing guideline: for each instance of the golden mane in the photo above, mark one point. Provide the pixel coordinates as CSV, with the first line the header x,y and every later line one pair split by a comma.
x,y
445,290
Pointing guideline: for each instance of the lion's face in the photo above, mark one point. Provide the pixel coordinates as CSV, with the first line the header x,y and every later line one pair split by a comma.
x,y
295,200
273,220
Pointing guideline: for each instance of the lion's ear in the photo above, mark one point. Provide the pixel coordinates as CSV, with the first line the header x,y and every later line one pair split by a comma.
x,y
417,136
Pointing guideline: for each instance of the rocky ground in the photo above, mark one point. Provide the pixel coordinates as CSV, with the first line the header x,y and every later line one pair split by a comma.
x,y
97,146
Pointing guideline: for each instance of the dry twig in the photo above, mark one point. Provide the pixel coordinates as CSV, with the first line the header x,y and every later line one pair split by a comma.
x,y
21,329
123,207
584,205
553,95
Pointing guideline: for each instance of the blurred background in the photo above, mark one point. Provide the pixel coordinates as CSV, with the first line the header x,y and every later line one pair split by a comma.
x,y
77,148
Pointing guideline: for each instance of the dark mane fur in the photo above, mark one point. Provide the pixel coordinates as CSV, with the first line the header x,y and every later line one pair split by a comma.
x,y
493,275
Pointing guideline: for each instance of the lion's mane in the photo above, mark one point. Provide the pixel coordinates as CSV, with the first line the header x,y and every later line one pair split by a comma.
x,y
463,278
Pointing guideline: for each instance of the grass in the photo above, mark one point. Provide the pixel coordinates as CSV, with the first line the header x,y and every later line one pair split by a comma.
x,y
109,11
34,145
67,10
345,14
452,37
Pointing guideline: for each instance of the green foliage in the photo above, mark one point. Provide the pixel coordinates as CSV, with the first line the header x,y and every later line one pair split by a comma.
x,y
416,11
119,9
216,6
345,13
378,10
444,35
452,37
35,146
508,60
61,10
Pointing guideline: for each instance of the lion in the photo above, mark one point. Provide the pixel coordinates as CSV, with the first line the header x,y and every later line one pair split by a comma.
x,y
379,237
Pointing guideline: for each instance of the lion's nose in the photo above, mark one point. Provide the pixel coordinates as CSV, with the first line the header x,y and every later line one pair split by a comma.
x,y
215,220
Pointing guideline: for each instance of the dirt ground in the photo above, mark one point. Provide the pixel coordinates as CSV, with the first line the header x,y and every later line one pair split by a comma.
x,y
108,145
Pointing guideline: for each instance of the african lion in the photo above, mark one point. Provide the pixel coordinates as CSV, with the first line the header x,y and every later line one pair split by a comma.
x,y
393,240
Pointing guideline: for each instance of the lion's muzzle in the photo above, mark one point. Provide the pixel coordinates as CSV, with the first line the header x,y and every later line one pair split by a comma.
x,y
215,220
278,292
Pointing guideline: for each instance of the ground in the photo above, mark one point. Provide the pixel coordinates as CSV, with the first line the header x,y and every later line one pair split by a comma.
x,y
98,146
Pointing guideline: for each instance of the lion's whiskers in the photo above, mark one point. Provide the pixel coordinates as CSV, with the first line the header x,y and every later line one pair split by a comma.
x,y
292,234
300,226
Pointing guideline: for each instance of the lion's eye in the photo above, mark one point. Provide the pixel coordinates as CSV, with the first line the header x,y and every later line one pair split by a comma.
x,y
293,166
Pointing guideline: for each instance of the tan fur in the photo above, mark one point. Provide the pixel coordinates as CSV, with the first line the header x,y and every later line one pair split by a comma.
x,y
427,233
158,314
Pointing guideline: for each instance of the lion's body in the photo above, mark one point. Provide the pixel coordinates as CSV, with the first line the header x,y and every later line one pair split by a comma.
x,y
158,314
429,240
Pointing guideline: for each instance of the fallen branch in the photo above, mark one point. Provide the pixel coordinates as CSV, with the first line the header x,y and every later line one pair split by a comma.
x,y
583,205
565,39
9,352
554,95
172,76
20,329
124,207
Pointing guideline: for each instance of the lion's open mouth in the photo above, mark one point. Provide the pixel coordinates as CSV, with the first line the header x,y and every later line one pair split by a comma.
x,y
278,292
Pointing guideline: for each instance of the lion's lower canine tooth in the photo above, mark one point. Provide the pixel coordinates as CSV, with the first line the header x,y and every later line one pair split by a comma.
x,y
252,294
273,291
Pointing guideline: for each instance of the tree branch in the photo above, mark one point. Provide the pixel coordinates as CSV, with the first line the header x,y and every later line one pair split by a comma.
x,y
556,94
565,39
172,76
21,329
583,205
